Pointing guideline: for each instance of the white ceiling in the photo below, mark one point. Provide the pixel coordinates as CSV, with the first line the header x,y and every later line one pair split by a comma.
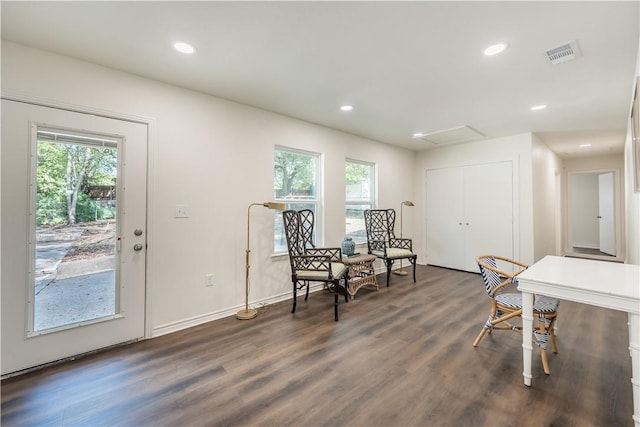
x,y
406,67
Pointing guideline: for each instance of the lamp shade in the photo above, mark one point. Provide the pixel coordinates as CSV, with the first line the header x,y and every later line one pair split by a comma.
x,y
275,205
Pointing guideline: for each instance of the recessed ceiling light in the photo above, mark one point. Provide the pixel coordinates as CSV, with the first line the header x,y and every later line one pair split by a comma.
x,y
184,47
495,49
584,145
418,134
346,107
538,107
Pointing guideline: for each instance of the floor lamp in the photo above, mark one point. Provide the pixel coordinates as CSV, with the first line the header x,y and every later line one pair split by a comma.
x,y
400,271
248,313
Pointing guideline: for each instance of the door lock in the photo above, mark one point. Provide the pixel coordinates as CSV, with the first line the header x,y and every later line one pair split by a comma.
x,y
137,232
137,247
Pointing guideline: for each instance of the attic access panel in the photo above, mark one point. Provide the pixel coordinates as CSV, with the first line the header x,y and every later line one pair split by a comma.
x,y
453,136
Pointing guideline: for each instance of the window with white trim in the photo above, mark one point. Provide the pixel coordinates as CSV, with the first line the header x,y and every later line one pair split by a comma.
x,y
296,182
359,194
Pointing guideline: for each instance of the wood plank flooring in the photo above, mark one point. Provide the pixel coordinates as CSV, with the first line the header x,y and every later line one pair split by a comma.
x,y
400,356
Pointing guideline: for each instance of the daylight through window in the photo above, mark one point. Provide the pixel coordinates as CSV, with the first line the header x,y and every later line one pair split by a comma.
x,y
295,183
359,191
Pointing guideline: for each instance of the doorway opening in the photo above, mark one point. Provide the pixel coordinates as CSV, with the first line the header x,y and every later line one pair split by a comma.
x,y
593,220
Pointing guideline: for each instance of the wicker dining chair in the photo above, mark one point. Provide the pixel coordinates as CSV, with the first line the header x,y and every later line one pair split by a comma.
x,y
382,241
507,304
311,264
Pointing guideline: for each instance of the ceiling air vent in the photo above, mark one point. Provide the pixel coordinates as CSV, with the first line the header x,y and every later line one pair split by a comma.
x,y
563,53
453,136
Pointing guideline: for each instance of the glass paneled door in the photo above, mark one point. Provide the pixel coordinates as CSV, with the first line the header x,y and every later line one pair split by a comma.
x,y
73,234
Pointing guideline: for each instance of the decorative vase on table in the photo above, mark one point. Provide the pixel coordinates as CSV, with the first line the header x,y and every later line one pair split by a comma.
x,y
348,246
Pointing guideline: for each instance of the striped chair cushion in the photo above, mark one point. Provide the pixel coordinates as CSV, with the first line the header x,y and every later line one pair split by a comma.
x,y
542,303
545,304
337,270
394,253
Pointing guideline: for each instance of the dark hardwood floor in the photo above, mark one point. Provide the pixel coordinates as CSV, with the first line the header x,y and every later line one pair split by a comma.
x,y
401,356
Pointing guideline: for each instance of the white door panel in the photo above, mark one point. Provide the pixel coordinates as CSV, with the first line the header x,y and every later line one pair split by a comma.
x,y
23,347
488,211
445,216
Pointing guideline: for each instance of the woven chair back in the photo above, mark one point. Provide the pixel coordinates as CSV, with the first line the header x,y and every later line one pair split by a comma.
x,y
491,279
380,224
298,227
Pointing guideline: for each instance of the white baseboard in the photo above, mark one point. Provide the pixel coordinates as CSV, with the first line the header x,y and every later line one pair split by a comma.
x,y
179,325
586,245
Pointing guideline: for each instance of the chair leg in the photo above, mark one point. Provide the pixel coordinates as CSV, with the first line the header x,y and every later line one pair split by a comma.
x,y
346,292
293,310
335,304
480,336
545,361
389,263
542,337
306,297
493,320
552,333
414,268
554,345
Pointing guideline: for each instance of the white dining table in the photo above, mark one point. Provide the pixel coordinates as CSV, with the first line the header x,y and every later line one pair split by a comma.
x,y
601,283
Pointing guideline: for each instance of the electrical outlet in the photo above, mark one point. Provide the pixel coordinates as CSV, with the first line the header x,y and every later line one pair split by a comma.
x,y
208,279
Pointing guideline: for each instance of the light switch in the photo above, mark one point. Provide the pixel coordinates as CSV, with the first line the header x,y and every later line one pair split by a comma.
x,y
182,211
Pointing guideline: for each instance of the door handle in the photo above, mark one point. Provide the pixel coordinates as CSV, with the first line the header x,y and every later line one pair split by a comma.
x,y
137,247
599,217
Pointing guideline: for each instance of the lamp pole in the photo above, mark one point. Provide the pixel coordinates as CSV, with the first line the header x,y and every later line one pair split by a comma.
x,y
248,313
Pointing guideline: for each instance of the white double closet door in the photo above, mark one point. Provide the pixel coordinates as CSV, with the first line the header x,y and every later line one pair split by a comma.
x,y
469,213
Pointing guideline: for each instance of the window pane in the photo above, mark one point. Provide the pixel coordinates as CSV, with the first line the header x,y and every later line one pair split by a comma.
x,y
295,183
358,181
280,239
294,176
75,224
355,222
359,194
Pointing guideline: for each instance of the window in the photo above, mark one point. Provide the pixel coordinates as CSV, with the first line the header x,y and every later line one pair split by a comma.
x,y
359,181
296,183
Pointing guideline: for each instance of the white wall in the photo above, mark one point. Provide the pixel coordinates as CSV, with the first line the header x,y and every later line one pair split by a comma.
x,y
518,149
547,167
217,157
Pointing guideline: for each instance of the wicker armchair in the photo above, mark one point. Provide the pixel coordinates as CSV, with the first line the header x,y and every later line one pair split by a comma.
x,y
382,242
311,264
508,305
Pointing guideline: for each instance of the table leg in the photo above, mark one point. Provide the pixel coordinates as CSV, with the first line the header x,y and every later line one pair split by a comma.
x,y
527,333
634,350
